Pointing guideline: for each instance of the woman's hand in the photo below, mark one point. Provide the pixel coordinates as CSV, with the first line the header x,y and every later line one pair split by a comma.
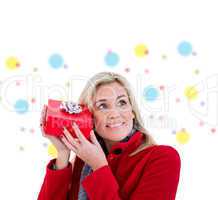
x,y
59,145
90,152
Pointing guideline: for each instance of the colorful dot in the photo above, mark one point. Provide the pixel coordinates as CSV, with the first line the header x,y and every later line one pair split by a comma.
x,y
164,57
213,130
141,50
185,48
182,136
146,71
191,93
18,83
35,69
52,151
111,59
162,87
12,63
201,123
202,103
21,106
67,84
33,100
127,69
66,66
178,100
56,61
196,72
150,93
44,144
21,148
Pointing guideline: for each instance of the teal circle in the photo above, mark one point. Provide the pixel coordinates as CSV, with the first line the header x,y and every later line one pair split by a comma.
x,y
56,61
150,93
111,59
185,48
21,106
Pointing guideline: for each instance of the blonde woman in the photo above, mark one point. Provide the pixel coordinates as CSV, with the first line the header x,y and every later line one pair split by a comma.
x,y
120,161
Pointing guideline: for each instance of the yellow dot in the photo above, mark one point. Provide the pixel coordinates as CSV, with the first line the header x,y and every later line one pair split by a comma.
x,y
12,63
141,50
196,71
191,93
67,84
164,57
52,151
182,137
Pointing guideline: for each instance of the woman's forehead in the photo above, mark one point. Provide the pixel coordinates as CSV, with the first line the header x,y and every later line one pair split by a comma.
x,y
111,90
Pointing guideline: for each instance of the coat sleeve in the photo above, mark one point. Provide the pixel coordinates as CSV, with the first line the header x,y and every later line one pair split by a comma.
x,y
56,184
158,181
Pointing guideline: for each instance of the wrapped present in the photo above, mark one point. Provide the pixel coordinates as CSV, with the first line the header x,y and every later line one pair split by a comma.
x,y
58,114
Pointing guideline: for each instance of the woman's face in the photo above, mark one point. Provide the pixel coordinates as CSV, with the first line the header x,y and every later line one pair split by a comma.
x,y
112,111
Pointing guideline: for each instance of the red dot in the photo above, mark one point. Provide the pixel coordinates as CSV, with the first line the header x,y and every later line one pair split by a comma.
x,y
127,69
162,87
146,71
201,123
17,83
33,100
213,130
177,100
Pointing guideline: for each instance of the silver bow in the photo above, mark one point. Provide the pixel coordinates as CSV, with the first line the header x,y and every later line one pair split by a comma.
x,y
70,107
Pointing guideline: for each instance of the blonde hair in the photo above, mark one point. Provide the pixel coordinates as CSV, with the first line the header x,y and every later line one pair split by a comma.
x,y
103,78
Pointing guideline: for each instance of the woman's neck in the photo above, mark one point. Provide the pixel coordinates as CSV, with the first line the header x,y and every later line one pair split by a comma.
x,y
109,144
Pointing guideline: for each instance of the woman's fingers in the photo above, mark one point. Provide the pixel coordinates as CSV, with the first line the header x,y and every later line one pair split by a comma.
x,y
68,144
78,133
70,138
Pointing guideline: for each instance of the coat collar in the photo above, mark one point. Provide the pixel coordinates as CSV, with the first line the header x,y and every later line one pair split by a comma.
x,y
133,142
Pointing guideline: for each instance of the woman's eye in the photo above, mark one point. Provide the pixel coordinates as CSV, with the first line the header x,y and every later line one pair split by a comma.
x,y
102,106
122,102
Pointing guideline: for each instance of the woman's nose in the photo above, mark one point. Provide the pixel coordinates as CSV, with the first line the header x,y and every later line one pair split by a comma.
x,y
114,113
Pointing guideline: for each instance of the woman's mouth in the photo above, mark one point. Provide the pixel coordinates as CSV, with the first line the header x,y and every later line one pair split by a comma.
x,y
117,125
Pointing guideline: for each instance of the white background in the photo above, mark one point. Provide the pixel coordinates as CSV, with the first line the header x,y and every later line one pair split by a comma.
x,y
82,32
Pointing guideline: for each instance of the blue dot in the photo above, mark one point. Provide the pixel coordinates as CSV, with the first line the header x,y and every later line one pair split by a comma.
x,y
21,106
150,93
111,59
185,48
56,61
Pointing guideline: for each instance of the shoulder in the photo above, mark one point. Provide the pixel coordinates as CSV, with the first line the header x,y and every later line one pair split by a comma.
x,y
165,150
165,156
159,153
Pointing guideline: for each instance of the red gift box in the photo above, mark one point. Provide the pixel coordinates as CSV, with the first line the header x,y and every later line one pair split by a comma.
x,y
58,114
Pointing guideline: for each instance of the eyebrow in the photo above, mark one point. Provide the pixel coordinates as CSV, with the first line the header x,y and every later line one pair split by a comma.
x,y
103,100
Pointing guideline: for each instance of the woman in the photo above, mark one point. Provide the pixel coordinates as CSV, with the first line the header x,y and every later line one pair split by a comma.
x,y
121,160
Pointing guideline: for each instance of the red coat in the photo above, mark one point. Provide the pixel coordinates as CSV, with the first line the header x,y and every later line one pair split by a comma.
x,y
152,174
